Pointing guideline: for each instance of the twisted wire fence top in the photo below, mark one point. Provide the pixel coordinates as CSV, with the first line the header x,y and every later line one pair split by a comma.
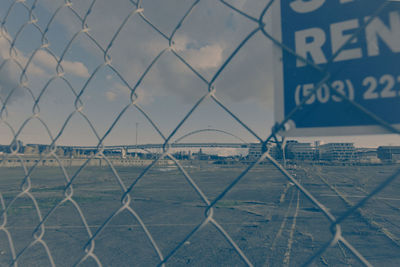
x,y
24,66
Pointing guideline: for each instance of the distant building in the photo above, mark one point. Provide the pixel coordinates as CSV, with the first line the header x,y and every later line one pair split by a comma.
x,y
367,155
60,151
36,148
19,146
389,153
337,152
299,151
4,149
31,149
275,152
255,151
203,156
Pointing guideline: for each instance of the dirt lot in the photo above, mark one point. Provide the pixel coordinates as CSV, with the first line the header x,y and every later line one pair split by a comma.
x,y
266,216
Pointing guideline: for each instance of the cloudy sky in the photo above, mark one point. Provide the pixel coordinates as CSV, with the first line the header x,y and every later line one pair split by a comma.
x,y
168,91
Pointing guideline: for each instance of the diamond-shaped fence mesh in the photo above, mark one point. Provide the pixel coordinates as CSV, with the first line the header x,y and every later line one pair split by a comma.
x,y
35,234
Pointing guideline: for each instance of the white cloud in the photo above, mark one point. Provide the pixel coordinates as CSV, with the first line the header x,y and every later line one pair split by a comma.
x,y
40,66
240,3
205,39
180,43
200,56
209,56
17,56
40,61
10,71
122,89
76,68
111,96
72,67
144,96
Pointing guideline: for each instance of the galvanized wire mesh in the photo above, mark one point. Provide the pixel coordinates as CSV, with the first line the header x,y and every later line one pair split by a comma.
x,y
126,202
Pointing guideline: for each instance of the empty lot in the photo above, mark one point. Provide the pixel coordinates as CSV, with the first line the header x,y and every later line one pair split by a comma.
x,y
270,221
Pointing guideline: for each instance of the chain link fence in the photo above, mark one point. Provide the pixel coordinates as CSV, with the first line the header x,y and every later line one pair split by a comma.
x,y
126,202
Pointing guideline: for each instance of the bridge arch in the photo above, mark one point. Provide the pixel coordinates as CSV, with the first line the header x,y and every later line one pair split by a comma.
x,y
209,130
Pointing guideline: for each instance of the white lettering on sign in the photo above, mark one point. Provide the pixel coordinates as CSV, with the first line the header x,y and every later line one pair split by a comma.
x,y
323,94
309,42
307,6
339,38
391,36
304,6
385,86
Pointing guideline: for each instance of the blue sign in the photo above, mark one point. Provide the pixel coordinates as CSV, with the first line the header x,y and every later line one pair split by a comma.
x,y
356,43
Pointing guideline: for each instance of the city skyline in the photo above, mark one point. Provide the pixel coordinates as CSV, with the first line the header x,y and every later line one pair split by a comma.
x,y
167,92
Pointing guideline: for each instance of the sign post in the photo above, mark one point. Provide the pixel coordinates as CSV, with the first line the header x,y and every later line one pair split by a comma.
x,y
356,44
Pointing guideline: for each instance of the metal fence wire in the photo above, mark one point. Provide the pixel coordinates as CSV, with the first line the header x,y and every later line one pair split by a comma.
x,y
126,201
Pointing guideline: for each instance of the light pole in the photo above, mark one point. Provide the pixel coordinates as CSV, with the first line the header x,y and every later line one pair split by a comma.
x,y
136,136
